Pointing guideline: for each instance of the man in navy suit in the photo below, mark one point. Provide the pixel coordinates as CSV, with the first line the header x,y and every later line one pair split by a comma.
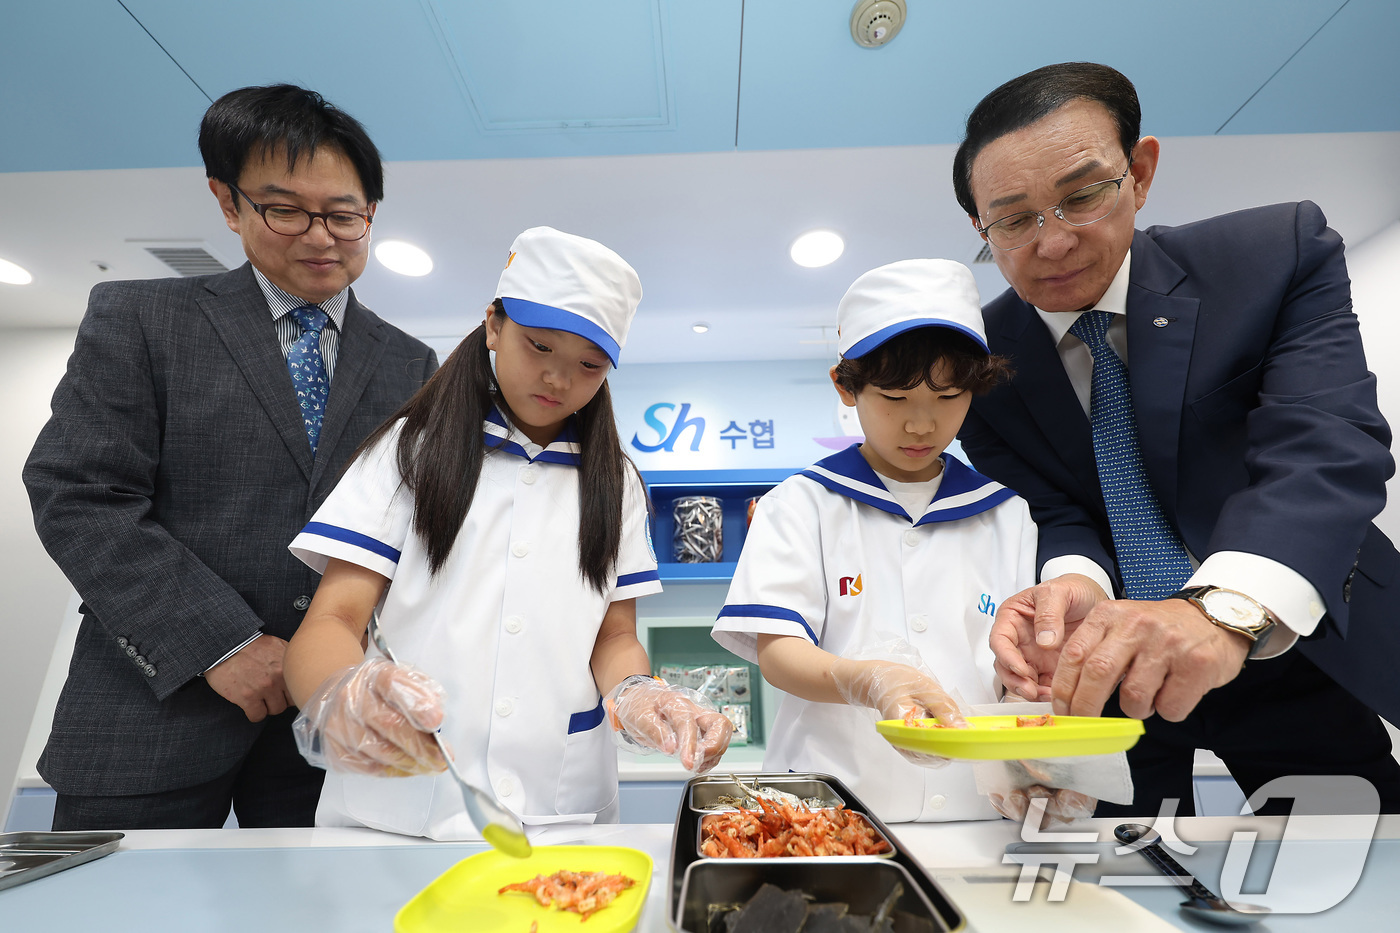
x,y
1263,457
181,460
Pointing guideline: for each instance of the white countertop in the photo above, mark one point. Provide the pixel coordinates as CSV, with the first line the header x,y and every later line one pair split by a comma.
x,y
355,879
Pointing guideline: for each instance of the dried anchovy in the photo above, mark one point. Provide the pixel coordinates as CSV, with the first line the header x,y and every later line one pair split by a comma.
x,y
699,529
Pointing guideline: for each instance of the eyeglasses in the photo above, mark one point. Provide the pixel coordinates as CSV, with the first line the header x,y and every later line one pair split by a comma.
x,y
1079,208
289,220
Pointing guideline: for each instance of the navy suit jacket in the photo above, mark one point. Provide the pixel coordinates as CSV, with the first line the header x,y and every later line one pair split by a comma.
x,y
1256,415
167,485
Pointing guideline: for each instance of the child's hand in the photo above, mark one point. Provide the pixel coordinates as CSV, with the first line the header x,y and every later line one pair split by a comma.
x,y
673,720
1062,805
374,718
897,691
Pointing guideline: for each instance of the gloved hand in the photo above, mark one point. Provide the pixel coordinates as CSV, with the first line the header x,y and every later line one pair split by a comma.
x,y
897,691
684,724
1063,805
374,718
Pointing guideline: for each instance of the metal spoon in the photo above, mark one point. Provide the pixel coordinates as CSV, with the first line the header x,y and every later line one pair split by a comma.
x,y
497,824
1200,901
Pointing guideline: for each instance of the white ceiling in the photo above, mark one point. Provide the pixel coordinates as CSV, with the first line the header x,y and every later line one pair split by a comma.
x,y
707,232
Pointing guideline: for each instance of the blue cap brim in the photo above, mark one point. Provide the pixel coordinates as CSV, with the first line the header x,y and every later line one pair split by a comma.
x,y
884,334
531,314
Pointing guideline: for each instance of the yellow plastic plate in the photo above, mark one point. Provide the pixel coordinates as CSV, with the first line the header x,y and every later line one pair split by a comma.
x,y
465,897
999,738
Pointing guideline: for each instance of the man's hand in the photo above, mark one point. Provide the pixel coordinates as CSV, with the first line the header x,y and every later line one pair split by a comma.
x,y
252,678
1166,654
1030,630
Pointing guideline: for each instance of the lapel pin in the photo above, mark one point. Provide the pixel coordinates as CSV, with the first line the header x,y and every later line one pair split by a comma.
x,y
1162,321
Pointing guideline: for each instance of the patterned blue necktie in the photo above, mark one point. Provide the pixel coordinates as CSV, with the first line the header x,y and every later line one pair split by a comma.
x,y
1152,561
308,370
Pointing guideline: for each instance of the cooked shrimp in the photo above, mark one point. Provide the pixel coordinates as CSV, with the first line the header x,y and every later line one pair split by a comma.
x,y
583,892
780,829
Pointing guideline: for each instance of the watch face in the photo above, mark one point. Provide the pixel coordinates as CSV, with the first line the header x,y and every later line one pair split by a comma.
x,y
1234,609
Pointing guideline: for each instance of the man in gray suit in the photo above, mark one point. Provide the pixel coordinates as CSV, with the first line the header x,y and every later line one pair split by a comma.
x,y
201,423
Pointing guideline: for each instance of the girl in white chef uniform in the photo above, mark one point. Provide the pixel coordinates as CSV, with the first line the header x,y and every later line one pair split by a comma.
x,y
889,538
502,533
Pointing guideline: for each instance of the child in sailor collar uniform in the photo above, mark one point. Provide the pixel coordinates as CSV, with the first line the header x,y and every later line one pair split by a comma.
x,y
892,537
502,533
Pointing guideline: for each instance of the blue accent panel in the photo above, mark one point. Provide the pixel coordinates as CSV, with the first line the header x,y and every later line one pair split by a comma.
x,y
582,722
534,314
336,533
756,611
718,572
862,347
697,482
641,576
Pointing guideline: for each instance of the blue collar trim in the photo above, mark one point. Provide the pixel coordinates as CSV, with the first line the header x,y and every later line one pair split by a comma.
x,y
501,436
963,491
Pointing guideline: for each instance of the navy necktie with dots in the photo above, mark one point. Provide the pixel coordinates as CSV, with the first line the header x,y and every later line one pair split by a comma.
x,y
308,370
1152,561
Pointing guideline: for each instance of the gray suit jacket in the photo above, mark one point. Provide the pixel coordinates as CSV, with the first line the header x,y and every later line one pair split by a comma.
x,y
167,485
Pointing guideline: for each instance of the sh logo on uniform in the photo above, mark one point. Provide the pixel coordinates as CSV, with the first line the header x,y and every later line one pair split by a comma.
x,y
850,586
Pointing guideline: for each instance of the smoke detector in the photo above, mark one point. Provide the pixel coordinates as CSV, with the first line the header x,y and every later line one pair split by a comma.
x,y
876,22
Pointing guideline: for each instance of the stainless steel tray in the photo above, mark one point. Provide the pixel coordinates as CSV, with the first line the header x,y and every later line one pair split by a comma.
x,y
862,884
685,851
26,856
704,792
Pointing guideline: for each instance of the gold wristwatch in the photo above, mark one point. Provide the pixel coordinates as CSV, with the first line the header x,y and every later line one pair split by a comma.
x,y
1233,610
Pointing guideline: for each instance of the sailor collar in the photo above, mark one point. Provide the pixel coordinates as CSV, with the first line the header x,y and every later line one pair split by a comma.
x,y
503,436
963,491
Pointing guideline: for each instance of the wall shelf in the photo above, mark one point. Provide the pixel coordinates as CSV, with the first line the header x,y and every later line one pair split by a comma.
x,y
733,487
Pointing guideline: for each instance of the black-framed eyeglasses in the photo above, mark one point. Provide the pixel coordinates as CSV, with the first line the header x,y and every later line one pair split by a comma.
x,y
1079,208
290,220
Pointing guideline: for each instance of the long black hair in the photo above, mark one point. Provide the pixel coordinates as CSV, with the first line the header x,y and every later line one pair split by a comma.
x,y
442,446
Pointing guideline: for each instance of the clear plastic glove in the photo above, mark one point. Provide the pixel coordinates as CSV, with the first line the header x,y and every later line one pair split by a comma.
x,y
374,718
652,715
1062,806
897,691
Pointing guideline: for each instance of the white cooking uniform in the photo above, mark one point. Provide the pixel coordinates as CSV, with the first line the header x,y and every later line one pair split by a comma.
x,y
507,626
834,558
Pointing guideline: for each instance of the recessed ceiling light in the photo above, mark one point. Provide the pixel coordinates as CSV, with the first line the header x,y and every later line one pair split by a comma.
x,y
12,274
817,248
403,258
700,327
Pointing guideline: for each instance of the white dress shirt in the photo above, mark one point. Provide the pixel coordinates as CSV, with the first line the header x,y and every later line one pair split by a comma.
x,y
1286,593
